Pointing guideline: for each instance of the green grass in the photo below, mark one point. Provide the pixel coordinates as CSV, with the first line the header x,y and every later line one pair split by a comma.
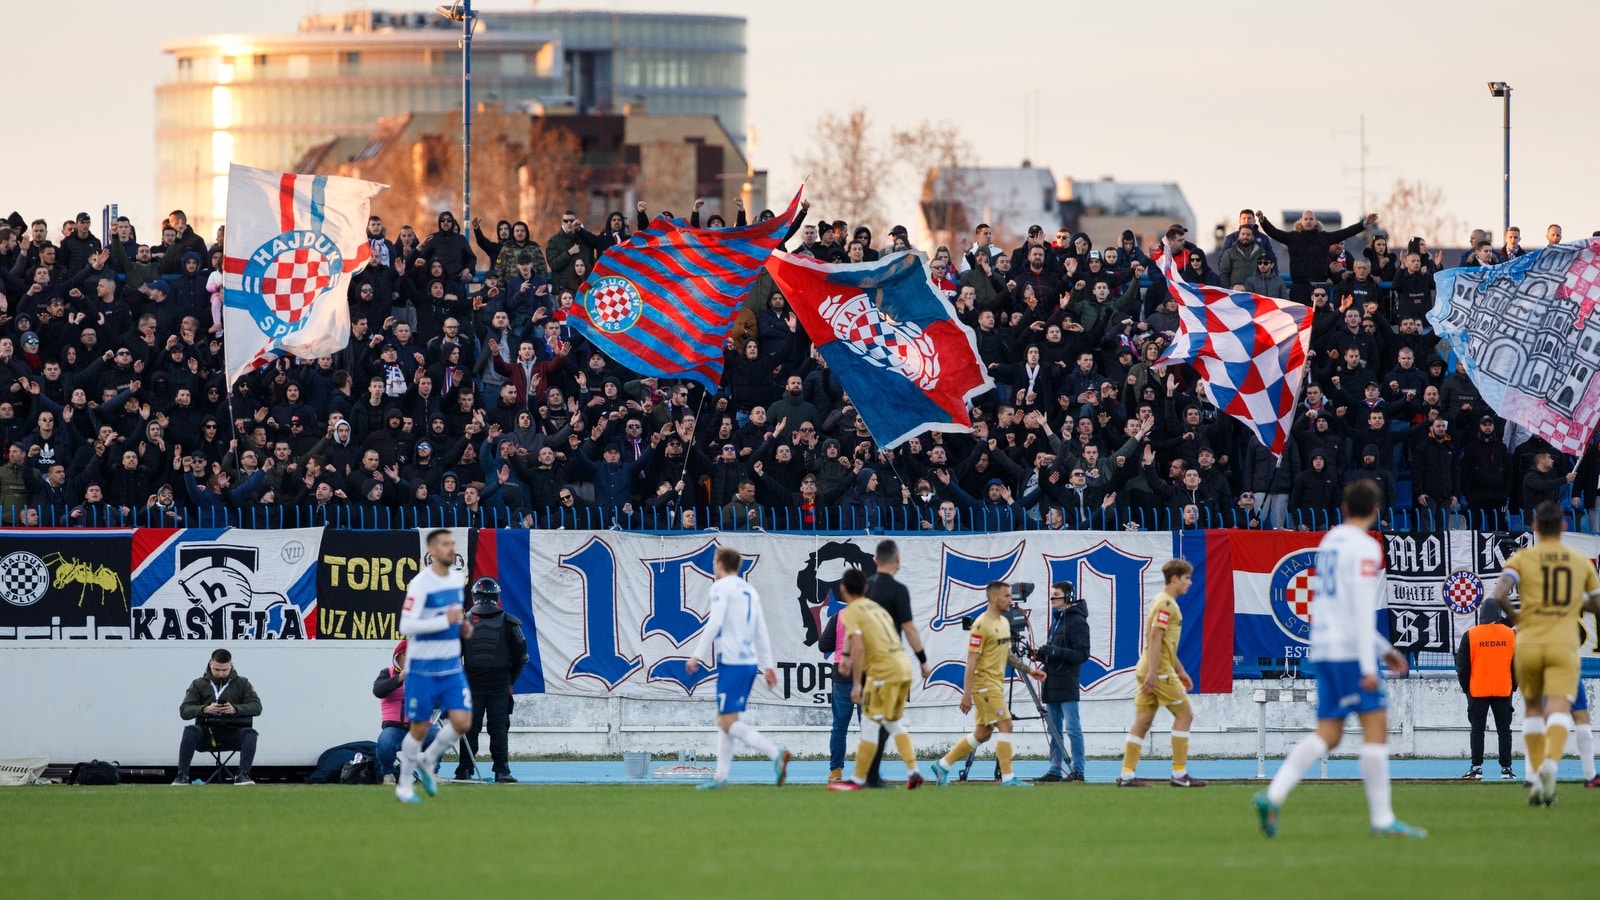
x,y
626,841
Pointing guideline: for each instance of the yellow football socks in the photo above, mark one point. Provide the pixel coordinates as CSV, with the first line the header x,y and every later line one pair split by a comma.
x,y
1555,737
1180,752
1002,752
957,753
865,751
908,754
1131,749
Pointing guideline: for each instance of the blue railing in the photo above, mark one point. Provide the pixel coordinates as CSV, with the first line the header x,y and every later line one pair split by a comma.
x,y
893,520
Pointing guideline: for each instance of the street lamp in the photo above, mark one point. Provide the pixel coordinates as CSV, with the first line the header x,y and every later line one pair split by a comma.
x,y
1502,90
461,11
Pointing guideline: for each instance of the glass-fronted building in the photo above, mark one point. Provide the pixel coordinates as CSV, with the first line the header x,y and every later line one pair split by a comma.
x,y
262,100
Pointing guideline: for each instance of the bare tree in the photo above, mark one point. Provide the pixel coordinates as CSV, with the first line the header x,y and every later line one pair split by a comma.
x,y
552,179
847,168
1417,209
939,158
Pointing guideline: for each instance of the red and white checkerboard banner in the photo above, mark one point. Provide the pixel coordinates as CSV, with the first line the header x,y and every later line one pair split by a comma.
x,y
293,240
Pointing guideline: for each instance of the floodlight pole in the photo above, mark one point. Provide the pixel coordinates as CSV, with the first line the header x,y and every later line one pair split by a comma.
x,y
466,112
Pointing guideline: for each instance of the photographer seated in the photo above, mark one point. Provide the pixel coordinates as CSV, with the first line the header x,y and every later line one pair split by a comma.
x,y
222,704
390,688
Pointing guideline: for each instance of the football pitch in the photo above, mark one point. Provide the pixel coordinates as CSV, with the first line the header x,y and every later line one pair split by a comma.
x,y
637,841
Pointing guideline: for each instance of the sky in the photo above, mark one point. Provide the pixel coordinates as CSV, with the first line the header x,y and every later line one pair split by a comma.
x,y
1249,105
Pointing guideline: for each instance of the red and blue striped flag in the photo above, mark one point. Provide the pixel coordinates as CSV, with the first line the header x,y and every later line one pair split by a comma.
x,y
663,303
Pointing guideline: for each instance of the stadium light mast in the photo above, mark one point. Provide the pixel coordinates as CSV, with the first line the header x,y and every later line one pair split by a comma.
x,y
461,11
1501,90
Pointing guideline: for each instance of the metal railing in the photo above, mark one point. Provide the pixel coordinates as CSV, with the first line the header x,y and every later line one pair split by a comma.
x,y
890,520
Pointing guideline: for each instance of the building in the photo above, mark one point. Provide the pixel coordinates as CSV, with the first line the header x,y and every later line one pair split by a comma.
x,y
1011,200
264,100
532,167
1105,208
956,199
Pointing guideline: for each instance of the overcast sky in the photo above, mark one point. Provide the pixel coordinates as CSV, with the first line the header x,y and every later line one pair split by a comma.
x,y
1252,104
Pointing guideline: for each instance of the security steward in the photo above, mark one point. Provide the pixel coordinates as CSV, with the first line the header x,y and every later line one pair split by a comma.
x,y
493,657
1483,666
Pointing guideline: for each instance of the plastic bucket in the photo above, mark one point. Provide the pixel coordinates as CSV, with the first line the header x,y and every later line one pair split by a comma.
x,y
637,765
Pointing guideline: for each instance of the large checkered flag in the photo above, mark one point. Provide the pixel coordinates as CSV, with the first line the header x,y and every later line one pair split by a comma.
x,y
293,243
1250,350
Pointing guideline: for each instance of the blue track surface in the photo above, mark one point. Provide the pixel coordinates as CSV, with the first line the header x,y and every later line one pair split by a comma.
x,y
816,771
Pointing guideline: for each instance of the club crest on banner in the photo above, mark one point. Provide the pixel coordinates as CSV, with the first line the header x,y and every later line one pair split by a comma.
x,y
283,277
1291,592
24,578
1463,592
881,341
614,304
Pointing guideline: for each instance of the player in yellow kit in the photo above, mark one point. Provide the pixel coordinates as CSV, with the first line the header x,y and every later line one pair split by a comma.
x,y
880,676
1162,681
983,693
1555,584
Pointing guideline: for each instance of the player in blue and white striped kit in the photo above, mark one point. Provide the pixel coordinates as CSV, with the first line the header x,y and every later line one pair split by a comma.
x,y
1345,646
432,620
743,648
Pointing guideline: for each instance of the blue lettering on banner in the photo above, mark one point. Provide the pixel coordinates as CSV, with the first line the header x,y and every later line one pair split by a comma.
x,y
1125,608
973,573
959,570
597,566
671,617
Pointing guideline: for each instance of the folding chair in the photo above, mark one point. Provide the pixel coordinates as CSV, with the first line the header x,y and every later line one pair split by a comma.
x,y
225,760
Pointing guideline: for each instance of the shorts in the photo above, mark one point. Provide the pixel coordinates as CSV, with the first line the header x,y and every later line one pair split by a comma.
x,y
1546,671
885,701
733,687
1339,691
1169,693
989,706
426,693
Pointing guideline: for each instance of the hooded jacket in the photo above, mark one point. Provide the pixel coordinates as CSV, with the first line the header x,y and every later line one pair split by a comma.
x,y
450,248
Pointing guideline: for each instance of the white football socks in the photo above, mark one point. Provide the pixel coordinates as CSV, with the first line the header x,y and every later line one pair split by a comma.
x,y
444,740
1375,776
753,738
1299,761
410,749
1583,735
724,755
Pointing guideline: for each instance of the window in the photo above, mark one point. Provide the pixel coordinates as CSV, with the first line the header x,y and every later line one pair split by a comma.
x,y
513,65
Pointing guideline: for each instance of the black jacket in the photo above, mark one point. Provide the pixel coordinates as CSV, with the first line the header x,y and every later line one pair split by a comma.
x,y
516,649
1064,654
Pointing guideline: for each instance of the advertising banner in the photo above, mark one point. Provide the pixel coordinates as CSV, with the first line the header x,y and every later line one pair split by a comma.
x,y
70,584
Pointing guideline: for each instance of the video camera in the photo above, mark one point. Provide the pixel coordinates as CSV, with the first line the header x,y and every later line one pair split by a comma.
x,y
1022,645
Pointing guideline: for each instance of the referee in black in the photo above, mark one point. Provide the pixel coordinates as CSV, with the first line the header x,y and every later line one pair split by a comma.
x,y
883,589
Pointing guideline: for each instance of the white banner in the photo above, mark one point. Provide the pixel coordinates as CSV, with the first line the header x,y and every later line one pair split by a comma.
x,y
293,240
616,614
225,584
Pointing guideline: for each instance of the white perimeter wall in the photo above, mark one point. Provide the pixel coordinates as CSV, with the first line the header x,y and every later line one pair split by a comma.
x,y
109,700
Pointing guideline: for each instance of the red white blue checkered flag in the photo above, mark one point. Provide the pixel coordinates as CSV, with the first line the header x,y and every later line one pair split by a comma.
x,y
1250,350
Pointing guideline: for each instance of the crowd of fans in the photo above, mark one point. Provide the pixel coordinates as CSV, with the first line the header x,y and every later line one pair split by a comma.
x,y
465,397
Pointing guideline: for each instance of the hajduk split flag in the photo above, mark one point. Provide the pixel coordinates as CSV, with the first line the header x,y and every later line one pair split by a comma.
x,y
663,303
891,339
1250,350
294,241
1527,334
